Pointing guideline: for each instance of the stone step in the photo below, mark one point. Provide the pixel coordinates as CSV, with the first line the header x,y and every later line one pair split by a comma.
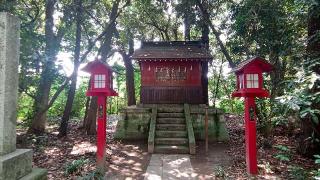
x,y
171,141
165,149
171,121
171,134
171,127
170,110
171,115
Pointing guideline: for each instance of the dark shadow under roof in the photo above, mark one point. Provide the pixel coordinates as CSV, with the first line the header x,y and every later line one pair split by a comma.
x,y
172,50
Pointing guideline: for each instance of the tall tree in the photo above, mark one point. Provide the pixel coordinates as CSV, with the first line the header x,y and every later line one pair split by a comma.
x,y
76,63
52,45
130,88
204,78
185,10
104,50
203,7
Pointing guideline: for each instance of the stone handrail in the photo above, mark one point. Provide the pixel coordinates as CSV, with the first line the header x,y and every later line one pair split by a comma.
x,y
152,130
191,138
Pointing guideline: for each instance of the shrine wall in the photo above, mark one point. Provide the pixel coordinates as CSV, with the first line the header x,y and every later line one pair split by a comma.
x,y
170,73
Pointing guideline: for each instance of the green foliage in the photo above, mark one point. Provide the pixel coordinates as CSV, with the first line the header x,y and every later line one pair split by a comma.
x,y
282,157
297,173
279,121
24,109
94,175
317,161
78,107
283,154
57,108
75,165
219,172
282,148
231,105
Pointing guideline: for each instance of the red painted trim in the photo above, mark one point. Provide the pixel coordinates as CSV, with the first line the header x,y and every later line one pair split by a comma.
x,y
250,135
101,132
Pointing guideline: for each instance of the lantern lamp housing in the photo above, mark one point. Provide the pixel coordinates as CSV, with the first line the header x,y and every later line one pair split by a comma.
x,y
100,80
250,78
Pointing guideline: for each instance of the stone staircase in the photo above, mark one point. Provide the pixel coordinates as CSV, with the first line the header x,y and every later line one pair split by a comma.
x,y
171,135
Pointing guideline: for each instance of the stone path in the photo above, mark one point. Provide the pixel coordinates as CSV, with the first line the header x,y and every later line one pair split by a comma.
x,y
169,167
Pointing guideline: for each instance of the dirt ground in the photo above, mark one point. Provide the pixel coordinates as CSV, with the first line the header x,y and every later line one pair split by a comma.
x,y
207,164
124,159
74,156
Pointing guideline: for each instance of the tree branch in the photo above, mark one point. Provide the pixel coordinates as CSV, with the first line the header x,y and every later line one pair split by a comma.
x,y
206,18
56,94
83,57
24,90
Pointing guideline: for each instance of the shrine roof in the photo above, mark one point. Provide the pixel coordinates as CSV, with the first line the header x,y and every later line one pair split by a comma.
x,y
262,63
172,50
94,64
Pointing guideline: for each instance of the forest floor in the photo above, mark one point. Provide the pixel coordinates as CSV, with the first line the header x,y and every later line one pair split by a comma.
x,y
74,156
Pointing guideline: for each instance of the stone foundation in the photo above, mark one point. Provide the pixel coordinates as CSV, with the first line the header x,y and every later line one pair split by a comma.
x,y
134,123
16,164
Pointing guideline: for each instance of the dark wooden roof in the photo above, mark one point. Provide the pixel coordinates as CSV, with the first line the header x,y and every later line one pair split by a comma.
x,y
90,66
172,50
264,64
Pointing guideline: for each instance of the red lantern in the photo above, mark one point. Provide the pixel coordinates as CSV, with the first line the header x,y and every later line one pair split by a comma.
x,y
250,78
100,86
100,80
250,85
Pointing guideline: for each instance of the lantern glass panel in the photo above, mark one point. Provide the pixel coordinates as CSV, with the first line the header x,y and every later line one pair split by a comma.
x,y
241,81
99,81
252,81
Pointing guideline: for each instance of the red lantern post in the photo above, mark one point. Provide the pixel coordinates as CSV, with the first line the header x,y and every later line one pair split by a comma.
x,y
100,86
249,86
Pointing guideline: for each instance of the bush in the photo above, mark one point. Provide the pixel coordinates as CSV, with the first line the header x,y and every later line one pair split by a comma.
x,y
75,165
284,153
297,172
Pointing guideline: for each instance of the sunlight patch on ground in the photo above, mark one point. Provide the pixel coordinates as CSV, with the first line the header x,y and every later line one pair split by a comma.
x,y
53,151
82,148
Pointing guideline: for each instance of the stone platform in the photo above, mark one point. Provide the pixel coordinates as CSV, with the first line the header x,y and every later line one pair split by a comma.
x,y
135,120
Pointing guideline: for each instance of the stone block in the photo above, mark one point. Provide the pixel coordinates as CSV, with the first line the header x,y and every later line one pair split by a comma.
x,y
15,165
9,56
216,129
36,174
134,124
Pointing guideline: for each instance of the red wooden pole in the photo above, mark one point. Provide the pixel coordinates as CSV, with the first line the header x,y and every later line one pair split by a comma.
x,y
250,134
101,133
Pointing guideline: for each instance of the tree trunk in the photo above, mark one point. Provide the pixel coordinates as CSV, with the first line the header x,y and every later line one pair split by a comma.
x,y
85,113
90,120
277,75
186,28
104,50
129,80
216,33
39,120
129,74
204,74
186,22
72,90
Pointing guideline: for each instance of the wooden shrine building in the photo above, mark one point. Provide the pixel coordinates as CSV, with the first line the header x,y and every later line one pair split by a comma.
x,y
173,72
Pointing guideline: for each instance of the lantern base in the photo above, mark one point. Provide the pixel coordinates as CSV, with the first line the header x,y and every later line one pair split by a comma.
x,y
106,93
252,92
